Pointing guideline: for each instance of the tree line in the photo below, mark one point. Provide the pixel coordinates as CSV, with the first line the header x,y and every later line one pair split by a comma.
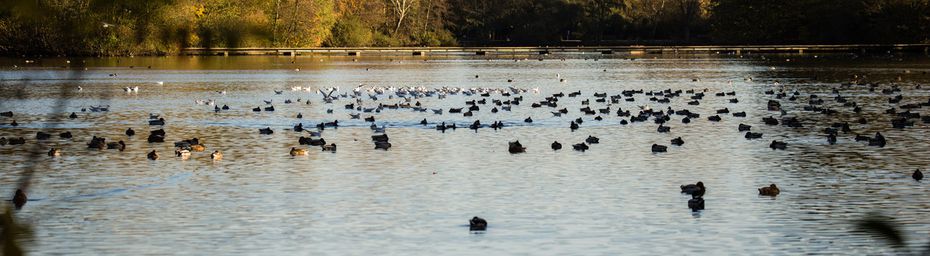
x,y
107,27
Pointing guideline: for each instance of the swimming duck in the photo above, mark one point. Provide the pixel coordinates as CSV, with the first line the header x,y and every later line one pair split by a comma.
x,y
160,121
3,141
65,135
695,190
97,143
7,114
379,138
270,108
516,147
580,147
152,155
311,142
225,107
778,145
42,136
299,116
771,190
753,135
130,132
216,155
330,147
770,120
556,145
477,224
184,154
878,140
257,109
831,138
265,131
917,175
54,152
423,122
592,140
656,148
573,126
696,204
686,120
663,128
120,145
19,199
678,141
15,141
298,152
73,115
14,123
299,127
743,127
528,120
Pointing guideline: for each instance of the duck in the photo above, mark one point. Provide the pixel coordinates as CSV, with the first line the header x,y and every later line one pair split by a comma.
x,y
573,126
299,127
917,175
556,145
678,141
19,199
130,132
743,127
771,190
160,121
831,138
516,147
778,145
216,155
423,122
382,145
580,147
477,224
152,155
753,135
270,108
265,131
330,147
656,148
97,143
65,135
686,120
695,190
299,116
120,145
380,138
592,140
878,140
184,154
311,141
528,120
298,151
54,152
3,141
14,123
7,114
42,136
663,129
73,115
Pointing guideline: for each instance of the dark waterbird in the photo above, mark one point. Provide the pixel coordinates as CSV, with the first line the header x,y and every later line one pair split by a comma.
x,y
753,135
771,190
65,135
160,121
580,147
656,148
696,204
695,190
19,199
265,131
556,145
743,127
130,132
678,141
592,140
43,136
515,147
917,175
477,224
17,141
778,145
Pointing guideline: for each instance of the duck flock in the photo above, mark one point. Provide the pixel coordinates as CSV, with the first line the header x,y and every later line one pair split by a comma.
x,y
846,119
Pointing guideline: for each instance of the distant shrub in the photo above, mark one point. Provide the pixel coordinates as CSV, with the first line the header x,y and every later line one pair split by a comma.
x,y
349,32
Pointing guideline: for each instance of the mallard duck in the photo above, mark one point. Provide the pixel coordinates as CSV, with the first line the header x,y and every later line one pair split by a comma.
x,y
917,175
216,155
298,152
477,224
19,198
771,190
515,147
54,152
152,155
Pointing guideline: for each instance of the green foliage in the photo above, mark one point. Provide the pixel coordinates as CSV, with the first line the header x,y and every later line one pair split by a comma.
x,y
350,32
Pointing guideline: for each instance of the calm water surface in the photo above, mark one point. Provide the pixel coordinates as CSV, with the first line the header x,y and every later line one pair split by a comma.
x,y
417,197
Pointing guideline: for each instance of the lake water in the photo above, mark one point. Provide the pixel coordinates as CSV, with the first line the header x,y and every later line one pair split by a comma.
x,y
416,198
